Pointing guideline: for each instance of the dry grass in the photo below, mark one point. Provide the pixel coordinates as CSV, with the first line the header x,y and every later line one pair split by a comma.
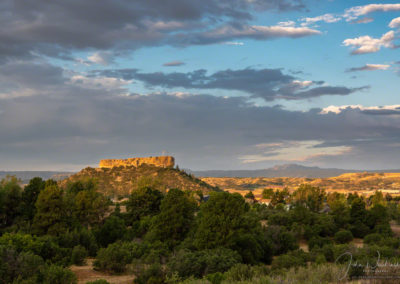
x,y
86,273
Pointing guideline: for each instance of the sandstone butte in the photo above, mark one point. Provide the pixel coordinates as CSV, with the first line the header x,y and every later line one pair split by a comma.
x,y
160,161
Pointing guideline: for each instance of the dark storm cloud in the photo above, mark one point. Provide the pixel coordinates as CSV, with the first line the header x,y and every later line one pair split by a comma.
x,y
268,84
55,27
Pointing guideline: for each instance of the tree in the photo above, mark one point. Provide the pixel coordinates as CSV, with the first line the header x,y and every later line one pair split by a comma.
x,y
112,230
220,220
30,196
343,237
267,193
90,207
143,202
250,196
50,217
10,200
175,218
309,196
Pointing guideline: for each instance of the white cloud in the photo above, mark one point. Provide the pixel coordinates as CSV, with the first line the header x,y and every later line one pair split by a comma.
x,y
101,57
293,151
370,67
395,23
234,43
367,44
258,32
355,12
287,24
327,18
99,82
339,109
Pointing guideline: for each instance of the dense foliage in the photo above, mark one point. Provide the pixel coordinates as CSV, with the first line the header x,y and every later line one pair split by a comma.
x,y
177,236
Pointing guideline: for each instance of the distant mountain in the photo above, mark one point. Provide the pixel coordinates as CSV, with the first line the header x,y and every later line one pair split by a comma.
x,y
25,176
288,170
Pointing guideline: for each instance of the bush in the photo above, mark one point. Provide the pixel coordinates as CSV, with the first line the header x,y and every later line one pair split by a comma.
x,y
100,281
114,258
187,263
79,253
287,261
318,242
373,238
343,237
58,275
244,272
153,275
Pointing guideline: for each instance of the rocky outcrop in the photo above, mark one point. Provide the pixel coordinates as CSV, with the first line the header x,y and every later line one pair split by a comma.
x,y
161,161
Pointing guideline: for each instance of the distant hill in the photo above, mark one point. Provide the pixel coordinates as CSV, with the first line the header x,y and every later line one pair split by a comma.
x,y
289,170
122,180
25,176
389,182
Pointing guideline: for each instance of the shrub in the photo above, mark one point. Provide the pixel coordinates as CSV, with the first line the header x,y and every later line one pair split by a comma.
x,y
152,275
287,261
318,242
100,281
114,258
187,263
373,238
79,253
343,237
58,275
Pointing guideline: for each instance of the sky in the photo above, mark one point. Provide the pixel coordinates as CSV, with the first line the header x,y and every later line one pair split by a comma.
x,y
219,84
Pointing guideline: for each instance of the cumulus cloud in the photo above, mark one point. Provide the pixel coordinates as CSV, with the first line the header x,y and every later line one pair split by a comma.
x,y
269,84
58,28
101,57
383,110
395,23
355,12
369,67
227,32
174,63
367,44
364,20
293,151
327,18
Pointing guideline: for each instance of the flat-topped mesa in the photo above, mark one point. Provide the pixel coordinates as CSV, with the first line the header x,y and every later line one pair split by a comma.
x,y
161,161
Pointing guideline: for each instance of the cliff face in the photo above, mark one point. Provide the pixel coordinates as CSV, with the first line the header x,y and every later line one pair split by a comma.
x,y
161,161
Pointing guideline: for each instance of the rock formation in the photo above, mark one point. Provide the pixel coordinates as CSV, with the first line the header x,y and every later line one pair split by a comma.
x,y
161,161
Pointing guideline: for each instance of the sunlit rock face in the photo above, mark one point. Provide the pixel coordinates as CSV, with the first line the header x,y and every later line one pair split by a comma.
x,y
161,161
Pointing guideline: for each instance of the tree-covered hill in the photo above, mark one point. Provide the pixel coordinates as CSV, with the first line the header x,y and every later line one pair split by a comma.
x,y
122,180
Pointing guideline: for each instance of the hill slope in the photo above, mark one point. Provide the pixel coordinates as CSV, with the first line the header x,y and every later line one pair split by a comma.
x,y
289,170
345,182
122,180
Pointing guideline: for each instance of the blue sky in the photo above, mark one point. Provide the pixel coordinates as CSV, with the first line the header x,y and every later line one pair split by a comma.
x,y
219,84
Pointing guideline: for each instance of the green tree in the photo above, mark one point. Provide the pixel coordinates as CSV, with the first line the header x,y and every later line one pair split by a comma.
x,y
10,200
267,193
30,196
143,202
90,207
250,196
113,229
175,218
309,196
220,220
50,217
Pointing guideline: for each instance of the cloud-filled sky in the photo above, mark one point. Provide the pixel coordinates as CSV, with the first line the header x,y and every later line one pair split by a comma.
x,y
219,84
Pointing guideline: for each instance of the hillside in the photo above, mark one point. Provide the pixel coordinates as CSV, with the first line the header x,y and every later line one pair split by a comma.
x,y
288,170
122,180
25,176
364,182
